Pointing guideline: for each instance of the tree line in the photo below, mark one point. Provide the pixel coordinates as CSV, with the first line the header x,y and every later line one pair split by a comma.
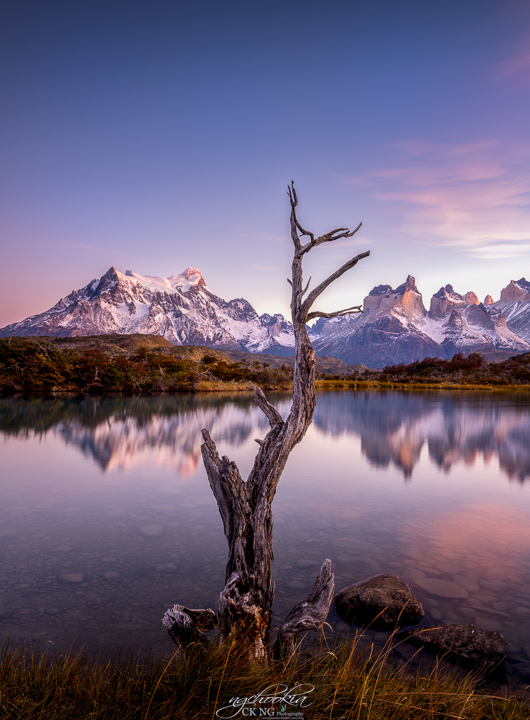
x,y
39,367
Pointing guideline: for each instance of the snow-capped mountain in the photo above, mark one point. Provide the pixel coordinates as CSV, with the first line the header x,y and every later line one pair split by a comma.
x,y
181,308
515,306
395,327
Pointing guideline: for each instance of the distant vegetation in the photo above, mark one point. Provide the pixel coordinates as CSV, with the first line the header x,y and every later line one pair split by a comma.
x,y
462,370
40,366
102,365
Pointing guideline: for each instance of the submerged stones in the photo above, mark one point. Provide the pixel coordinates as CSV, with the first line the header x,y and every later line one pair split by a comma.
x,y
381,602
385,602
151,530
486,648
442,588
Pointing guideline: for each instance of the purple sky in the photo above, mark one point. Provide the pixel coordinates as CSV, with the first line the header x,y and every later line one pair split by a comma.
x,y
156,135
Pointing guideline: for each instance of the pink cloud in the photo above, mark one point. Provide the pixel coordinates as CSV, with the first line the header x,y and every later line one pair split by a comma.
x,y
475,197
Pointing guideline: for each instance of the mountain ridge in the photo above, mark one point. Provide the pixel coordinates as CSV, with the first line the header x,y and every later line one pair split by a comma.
x,y
394,326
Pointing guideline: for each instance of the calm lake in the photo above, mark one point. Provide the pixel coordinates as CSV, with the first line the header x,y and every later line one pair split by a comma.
x,y
107,518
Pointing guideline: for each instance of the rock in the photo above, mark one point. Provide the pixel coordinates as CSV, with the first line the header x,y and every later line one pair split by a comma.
x,y
486,648
442,588
72,577
381,602
151,530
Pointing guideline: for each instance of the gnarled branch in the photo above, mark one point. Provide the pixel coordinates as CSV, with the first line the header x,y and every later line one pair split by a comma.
x,y
270,411
338,313
310,614
186,626
326,283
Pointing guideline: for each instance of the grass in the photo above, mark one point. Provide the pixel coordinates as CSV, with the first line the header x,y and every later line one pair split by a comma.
x,y
341,683
347,384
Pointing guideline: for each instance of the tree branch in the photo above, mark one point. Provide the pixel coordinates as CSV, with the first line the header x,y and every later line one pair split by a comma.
x,y
338,313
326,283
294,222
310,614
227,485
329,237
186,626
270,411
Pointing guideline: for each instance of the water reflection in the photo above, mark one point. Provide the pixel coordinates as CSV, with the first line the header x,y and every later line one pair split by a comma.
x,y
107,518
394,427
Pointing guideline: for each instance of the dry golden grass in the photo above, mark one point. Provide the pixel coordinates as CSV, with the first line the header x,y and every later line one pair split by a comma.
x,y
348,684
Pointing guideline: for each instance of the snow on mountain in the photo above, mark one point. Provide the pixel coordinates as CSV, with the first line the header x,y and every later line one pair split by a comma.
x,y
389,330
394,326
181,308
515,306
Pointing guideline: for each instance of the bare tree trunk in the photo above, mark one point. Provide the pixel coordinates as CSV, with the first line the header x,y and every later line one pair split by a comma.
x,y
246,507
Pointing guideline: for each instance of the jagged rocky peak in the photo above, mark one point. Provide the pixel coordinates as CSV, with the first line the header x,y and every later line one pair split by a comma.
x,y
408,286
488,300
380,290
516,290
471,298
406,297
194,275
446,301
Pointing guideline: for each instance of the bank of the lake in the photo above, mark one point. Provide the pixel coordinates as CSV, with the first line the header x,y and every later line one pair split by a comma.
x,y
143,365
341,681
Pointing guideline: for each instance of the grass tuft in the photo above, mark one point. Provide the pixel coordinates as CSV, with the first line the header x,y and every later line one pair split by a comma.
x,y
349,684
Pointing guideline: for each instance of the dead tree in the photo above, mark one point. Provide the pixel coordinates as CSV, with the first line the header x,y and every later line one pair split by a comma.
x,y
246,507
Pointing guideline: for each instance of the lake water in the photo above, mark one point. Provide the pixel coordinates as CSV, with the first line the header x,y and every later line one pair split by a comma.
x,y
107,518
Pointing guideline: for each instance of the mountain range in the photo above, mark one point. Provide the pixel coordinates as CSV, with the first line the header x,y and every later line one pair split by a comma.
x,y
394,326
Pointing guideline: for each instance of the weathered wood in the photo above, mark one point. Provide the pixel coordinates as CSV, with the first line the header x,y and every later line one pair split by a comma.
x,y
310,614
245,507
186,626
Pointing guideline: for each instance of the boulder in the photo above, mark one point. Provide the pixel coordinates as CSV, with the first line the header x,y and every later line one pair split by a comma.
x,y
382,602
486,648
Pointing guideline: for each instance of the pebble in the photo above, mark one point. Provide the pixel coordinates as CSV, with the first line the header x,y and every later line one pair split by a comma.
x,y
469,584
72,577
442,588
521,611
305,563
151,530
491,611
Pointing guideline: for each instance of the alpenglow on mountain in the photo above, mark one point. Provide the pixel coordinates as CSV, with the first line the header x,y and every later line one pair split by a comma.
x,y
181,308
394,327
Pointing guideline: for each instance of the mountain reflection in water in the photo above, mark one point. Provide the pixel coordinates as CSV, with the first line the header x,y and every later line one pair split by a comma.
x,y
107,517
393,427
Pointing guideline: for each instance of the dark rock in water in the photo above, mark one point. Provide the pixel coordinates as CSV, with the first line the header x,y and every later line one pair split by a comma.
x,y
486,648
381,602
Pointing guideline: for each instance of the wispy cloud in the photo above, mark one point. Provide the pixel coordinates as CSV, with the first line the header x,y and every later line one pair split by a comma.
x,y
266,268
474,197
92,248
515,66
